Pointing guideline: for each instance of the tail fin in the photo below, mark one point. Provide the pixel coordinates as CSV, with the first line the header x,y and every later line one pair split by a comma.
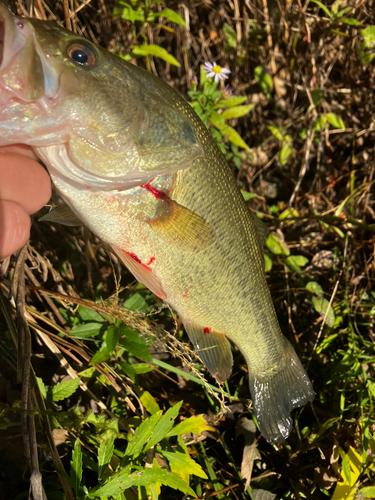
x,y
275,395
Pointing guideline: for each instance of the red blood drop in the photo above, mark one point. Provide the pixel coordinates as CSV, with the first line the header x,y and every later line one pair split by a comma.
x,y
206,330
159,195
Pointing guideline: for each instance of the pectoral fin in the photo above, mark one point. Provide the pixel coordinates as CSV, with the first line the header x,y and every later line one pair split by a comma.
x,y
213,348
61,215
182,227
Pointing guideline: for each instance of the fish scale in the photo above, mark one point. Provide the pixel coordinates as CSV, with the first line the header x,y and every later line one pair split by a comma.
x,y
135,164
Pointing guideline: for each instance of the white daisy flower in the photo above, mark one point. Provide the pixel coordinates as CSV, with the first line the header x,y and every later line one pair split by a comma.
x,y
215,71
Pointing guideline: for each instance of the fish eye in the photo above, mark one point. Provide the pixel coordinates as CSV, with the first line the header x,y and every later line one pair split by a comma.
x,y
81,54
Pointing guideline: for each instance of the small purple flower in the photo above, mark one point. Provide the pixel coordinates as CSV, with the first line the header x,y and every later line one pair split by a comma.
x,y
194,80
227,92
215,71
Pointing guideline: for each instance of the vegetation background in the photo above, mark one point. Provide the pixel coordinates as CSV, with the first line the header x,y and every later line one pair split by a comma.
x,y
115,390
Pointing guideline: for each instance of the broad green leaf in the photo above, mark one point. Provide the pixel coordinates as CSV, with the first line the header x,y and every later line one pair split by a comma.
x,y
42,387
134,369
123,480
371,388
171,15
236,111
182,465
105,451
346,468
351,21
276,246
155,50
195,425
248,196
321,306
65,389
267,263
87,314
131,15
142,434
230,36
141,368
285,153
154,489
317,96
233,100
134,343
323,7
295,262
111,338
320,123
76,466
335,121
277,132
289,212
350,475
315,288
262,494
218,122
342,12
234,137
163,426
264,79
149,402
136,303
366,50
326,342
367,492
88,373
86,331
100,356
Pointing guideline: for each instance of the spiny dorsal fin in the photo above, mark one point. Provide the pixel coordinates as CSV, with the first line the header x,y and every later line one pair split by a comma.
x,y
61,215
181,227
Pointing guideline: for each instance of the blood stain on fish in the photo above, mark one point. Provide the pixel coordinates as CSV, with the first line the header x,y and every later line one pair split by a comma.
x,y
151,261
138,260
206,330
159,195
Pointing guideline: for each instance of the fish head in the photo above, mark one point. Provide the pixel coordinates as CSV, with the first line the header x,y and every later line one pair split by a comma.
x,y
92,117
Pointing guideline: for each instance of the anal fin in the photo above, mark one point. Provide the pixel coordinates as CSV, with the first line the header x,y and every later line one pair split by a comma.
x,y
182,227
213,348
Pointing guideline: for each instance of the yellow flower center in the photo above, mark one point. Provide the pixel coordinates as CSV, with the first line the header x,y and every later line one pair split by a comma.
x,y
217,69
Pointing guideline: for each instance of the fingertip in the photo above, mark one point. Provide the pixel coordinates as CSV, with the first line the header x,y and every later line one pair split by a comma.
x,y
43,194
14,227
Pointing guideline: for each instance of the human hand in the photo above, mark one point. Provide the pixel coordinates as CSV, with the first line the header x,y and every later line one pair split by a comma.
x,y
25,187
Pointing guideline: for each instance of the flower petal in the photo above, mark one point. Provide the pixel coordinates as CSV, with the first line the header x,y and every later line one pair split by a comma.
x,y
225,70
211,74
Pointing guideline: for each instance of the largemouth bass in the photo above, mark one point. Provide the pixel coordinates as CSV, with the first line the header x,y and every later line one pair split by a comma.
x,y
136,165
